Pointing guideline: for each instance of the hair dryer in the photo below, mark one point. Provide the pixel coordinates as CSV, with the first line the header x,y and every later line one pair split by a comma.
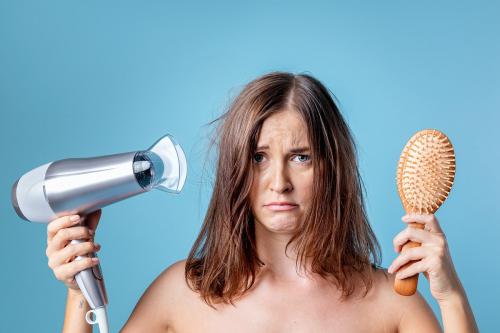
x,y
83,185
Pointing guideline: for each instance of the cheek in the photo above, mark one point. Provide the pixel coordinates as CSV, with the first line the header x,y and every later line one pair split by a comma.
x,y
304,188
255,192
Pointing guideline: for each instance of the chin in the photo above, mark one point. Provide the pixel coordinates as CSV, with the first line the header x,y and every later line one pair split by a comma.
x,y
279,224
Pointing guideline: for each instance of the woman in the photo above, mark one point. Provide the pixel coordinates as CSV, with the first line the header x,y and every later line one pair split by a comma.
x,y
286,245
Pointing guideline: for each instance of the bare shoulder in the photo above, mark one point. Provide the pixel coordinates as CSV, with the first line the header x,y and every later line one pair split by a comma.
x,y
157,307
411,313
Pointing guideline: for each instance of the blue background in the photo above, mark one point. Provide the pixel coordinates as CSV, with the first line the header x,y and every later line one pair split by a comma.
x,y
89,78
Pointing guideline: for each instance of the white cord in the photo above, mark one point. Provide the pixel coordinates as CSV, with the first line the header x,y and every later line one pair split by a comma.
x,y
100,318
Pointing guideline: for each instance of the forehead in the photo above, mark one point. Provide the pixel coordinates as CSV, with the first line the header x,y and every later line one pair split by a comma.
x,y
285,127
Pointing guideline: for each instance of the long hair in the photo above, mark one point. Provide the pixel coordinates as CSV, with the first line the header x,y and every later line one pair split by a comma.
x,y
335,236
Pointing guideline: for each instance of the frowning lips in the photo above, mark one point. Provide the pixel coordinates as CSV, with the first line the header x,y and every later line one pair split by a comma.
x,y
281,205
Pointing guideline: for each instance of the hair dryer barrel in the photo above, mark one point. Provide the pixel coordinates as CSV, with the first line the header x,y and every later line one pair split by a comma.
x,y
83,185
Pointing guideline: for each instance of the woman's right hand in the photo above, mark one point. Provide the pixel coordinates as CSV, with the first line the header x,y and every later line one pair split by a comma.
x,y
61,253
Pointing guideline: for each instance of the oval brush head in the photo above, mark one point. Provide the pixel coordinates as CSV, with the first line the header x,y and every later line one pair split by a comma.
x,y
425,175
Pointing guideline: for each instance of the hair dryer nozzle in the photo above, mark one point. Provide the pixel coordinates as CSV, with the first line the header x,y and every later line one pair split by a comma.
x,y
162,166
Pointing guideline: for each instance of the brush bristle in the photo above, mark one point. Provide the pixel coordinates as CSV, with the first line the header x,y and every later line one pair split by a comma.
x,y
426,171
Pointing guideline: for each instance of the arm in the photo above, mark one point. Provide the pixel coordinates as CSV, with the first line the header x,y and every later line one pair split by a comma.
x,y
434,260
457,314
76,308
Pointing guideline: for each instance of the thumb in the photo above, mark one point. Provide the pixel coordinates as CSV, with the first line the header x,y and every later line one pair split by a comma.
x,y
93,219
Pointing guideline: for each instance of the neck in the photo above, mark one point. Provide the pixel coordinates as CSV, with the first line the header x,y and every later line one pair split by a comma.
x,y
279,266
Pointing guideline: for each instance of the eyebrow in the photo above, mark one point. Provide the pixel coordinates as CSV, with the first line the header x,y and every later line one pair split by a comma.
x,y
293,150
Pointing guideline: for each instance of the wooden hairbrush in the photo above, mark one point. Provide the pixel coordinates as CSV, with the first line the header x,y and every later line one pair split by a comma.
x,y
425,175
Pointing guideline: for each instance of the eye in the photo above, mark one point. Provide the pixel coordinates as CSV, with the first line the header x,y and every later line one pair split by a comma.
x,y
303,158
258,157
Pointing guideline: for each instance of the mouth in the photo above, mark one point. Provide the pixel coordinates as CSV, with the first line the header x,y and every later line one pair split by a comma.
x,y
281,206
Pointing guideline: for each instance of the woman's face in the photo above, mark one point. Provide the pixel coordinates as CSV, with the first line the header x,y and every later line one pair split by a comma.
x,y
283,173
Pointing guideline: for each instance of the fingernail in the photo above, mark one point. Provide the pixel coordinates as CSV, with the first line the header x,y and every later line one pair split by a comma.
x,y
98,246
95,259
74,218
91,232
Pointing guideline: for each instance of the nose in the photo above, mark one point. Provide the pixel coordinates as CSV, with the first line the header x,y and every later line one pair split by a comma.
x,y
280,181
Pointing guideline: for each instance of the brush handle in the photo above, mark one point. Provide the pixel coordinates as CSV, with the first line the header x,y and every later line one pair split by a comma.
x,y
408,286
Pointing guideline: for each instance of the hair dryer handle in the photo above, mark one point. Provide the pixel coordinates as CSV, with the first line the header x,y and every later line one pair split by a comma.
x,y
91,284
91,281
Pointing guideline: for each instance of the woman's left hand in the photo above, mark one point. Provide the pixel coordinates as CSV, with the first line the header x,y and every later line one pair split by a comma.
x,y
433,257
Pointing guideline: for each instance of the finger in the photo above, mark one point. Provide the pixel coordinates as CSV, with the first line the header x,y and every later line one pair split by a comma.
x,y
93,219
64,236
415,268
68,253
428,220
410,234
68,271
415,253
60,223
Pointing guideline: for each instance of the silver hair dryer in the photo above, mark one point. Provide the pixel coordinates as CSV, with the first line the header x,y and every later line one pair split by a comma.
x,y
84,185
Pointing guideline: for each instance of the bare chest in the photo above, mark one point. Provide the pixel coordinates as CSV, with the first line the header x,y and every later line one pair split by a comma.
x,y
288,311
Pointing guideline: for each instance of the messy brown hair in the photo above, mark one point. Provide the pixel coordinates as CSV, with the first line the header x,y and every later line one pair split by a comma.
x,y
335,235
